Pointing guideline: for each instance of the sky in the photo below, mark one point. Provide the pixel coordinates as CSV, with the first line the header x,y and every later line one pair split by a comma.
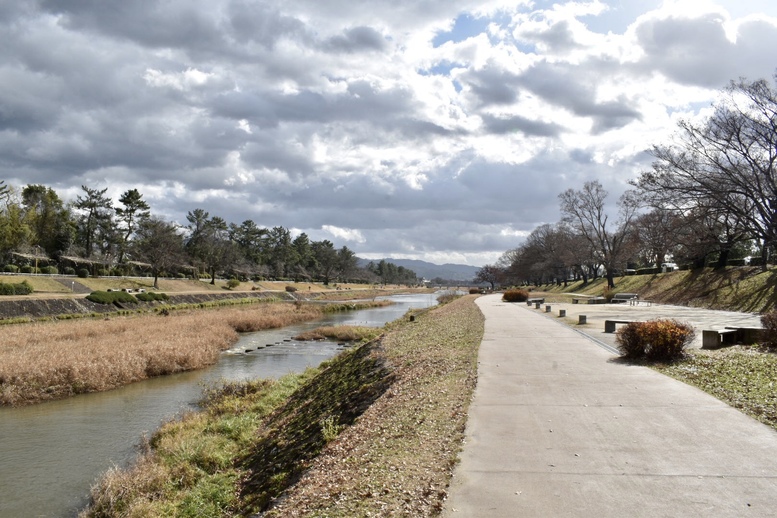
x,y
441,130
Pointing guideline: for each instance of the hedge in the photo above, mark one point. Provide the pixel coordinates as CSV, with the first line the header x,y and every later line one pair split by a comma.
x,y
151,296
111,297
21,288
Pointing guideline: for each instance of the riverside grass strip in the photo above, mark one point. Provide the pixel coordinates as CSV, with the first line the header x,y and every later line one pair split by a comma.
x,y
341,333
301,446
742,376
51,360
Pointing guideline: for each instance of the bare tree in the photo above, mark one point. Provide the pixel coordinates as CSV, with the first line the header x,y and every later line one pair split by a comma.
x,y
657,234
726,163
584,211
490,273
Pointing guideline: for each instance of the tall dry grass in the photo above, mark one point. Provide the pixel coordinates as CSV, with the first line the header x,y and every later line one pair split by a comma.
x,y
52,360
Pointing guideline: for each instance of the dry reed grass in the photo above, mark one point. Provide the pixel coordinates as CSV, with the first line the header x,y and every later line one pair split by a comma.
x,y
52,360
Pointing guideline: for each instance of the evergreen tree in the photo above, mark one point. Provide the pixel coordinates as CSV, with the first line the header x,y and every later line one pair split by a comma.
x,y
96,208
133,211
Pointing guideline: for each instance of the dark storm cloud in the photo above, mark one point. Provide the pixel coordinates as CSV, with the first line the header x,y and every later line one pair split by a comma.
x,y
565,86
534,128
696,51
263,24
153,24
558,38
357,39
493,85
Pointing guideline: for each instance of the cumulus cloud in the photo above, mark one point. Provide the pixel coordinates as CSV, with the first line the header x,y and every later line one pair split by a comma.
x,y
415,129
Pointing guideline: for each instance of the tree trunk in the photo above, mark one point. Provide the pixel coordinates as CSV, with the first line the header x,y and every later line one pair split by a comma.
x,y
610,279
723,257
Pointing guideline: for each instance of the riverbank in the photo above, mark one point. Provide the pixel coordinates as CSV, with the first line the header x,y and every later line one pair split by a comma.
x,y
376,431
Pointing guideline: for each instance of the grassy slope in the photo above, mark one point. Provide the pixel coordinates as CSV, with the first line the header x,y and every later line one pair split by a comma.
x,y
747,289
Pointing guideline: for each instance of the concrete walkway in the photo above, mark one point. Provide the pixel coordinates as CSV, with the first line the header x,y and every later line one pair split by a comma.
x,y
557,428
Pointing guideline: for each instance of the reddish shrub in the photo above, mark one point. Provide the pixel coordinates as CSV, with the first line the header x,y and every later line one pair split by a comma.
x,y
515,296
630,341
656,340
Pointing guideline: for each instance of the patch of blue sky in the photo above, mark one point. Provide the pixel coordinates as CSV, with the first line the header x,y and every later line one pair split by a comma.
x,y
464,27
440,69
618,15
694,107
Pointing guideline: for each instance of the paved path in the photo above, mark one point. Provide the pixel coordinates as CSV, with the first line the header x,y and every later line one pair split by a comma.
x,y
557,428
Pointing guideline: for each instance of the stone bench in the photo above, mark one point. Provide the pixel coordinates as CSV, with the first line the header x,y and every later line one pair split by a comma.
x,y
529,302
589,300
717,338
624,297
609,325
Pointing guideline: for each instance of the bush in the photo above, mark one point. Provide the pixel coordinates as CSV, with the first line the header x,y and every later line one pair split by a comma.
x,y
630,340
151,296
515,296
26,269
21,288
291,289
656,340
50,270
448,296
11,268
608,295
769,334
69,270
735,262
474,291
83,273
111,297
233,283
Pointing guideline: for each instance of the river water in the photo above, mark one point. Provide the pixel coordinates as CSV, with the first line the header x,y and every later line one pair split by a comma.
x,y
51,453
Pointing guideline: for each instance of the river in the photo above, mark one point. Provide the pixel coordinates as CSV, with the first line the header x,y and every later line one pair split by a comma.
x,y
51,453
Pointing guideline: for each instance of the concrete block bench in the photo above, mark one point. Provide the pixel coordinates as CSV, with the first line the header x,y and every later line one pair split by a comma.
x,y
620,298
589,300
717,338
609,325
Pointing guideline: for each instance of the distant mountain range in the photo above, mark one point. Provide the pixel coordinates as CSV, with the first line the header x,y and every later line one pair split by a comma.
x,y
429,271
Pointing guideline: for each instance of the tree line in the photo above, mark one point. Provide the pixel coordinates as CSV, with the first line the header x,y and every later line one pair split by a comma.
x,y
710,198
94,234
